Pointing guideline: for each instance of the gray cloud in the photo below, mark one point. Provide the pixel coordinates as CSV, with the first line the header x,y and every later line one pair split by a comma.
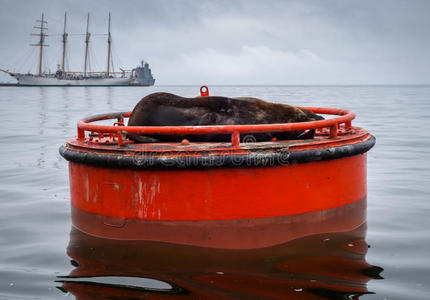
x,y
236,42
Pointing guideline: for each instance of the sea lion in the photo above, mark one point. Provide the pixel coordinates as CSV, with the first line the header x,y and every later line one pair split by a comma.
x,y
164,109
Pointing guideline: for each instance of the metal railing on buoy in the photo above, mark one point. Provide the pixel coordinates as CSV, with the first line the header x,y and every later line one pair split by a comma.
x,y
335,126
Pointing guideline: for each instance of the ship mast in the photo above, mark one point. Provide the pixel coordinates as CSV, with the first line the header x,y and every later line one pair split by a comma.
x,y
109,46
64,44
87,39
41,41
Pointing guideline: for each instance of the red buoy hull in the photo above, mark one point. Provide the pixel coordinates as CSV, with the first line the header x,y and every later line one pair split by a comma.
x,y
231,208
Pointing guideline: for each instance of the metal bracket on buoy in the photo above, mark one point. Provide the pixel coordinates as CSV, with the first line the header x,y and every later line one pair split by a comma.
x,y
204,91
119,133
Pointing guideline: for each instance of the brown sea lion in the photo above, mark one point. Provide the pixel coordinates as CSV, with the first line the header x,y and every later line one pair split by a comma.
x,y
164,109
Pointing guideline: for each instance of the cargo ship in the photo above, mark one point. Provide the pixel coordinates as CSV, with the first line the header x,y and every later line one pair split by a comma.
x,y
139,76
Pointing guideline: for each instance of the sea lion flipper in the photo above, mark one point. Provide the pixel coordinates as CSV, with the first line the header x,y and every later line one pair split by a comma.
x,y
208,119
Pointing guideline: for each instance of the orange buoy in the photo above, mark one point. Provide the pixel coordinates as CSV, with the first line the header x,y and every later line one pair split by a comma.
x,y
223,195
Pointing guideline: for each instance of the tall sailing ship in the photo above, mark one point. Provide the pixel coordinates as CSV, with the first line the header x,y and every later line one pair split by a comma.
x,y
140,75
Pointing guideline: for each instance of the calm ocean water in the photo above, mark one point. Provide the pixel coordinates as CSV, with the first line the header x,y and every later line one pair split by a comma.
x,y
38,245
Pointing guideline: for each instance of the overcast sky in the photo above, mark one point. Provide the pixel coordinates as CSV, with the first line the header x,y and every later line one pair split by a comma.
x,y
233,42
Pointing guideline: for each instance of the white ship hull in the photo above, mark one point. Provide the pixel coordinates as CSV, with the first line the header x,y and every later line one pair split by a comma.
x,y
31,80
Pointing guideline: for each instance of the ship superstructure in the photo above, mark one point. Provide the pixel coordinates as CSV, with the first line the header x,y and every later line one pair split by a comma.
x,y
139,76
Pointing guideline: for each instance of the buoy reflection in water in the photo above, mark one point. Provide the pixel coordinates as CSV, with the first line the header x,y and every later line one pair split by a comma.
x,y
330,265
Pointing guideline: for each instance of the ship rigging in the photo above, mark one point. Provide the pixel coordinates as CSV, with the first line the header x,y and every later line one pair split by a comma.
x,y
140,75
